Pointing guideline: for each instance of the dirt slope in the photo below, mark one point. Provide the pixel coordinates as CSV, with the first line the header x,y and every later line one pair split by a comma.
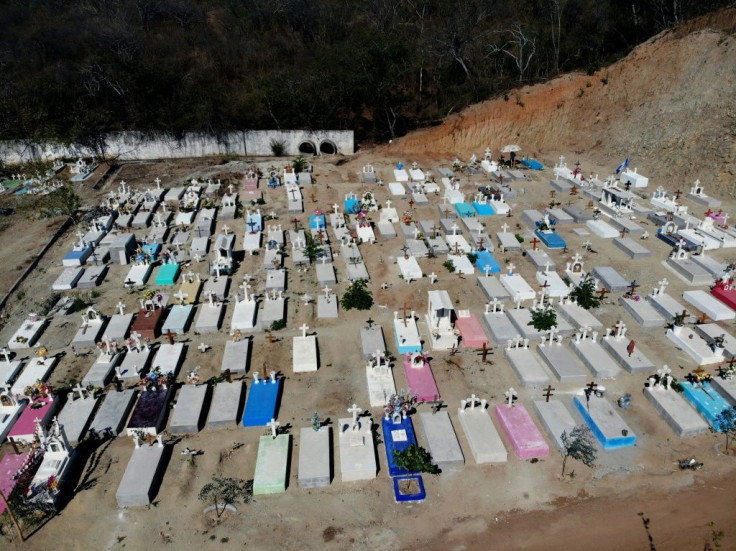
x,y
670,105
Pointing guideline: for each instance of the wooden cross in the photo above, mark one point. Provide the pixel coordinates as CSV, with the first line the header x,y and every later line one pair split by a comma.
x,y
411,203
270,338
295,221
170,336
534,243
624,231
703,319
446,212
547,393
602,293
699,371
457,247
480,243
573,190
404,310
677,195
708,212
484,351
591,386
313,197
370,322
552,193
544,286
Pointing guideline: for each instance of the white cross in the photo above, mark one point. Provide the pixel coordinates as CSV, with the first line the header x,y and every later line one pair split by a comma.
x,y
355,410
378,355
454,228
510,268
472,401
122,186
181,295
245,288
136,338
226,229
546,267
230,189
327,292
158,182
510,393
416,232
336,207
587,244
5,352
203,347
255,378
304,330
576,258
487,269
664,371
662,285
388,203
81,390
432,277
620,329
274,424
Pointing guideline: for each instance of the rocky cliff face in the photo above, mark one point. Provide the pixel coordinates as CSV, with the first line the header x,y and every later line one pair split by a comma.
x,y
670,105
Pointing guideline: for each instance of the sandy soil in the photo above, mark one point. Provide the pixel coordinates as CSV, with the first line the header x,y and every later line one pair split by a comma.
x,y
520,504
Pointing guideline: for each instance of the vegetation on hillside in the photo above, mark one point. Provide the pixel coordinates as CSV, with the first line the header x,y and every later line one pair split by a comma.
x,y
72,70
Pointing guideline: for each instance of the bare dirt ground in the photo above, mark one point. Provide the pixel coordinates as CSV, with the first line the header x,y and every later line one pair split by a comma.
x,y
520,504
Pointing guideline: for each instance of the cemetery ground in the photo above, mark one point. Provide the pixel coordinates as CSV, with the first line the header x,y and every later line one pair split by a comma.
x,y
519,504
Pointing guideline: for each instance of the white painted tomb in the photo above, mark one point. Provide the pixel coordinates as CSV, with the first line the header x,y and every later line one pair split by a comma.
x,y
602,229
709,305
28,333
68,278
273,308
409,268
76,414
209,316
138,275
688,341
142,476
357,449
9,369
101,372
462,264
168,358
245,311
37,369
577,315
91,330
327,305
485,442
557,287
516,285
380,378
10,410
304,352
136,360
440,318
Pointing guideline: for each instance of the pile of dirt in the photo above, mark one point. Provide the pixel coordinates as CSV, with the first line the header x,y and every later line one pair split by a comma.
x,y
669,106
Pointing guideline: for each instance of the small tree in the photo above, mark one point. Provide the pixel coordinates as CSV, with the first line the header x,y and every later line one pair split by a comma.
x,y
63,201
725,422
415,458
578,445
584,293
357,296
222,492
311,248
544,318
450,265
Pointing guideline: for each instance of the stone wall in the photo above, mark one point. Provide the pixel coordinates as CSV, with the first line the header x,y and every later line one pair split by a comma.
x,y
138,146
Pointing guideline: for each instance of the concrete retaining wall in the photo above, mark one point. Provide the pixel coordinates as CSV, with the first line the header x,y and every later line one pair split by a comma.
x,y
138,146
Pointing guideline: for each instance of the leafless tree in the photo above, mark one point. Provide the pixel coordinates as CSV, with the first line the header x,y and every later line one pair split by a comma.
x,y
520,46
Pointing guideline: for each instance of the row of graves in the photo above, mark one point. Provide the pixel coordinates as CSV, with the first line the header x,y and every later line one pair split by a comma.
x,y
139,352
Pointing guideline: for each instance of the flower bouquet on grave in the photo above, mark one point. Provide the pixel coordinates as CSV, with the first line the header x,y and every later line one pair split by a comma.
x,y
21,339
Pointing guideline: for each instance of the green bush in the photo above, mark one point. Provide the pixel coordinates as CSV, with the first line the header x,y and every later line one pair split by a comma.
x,y
450,265
278,147
357,296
